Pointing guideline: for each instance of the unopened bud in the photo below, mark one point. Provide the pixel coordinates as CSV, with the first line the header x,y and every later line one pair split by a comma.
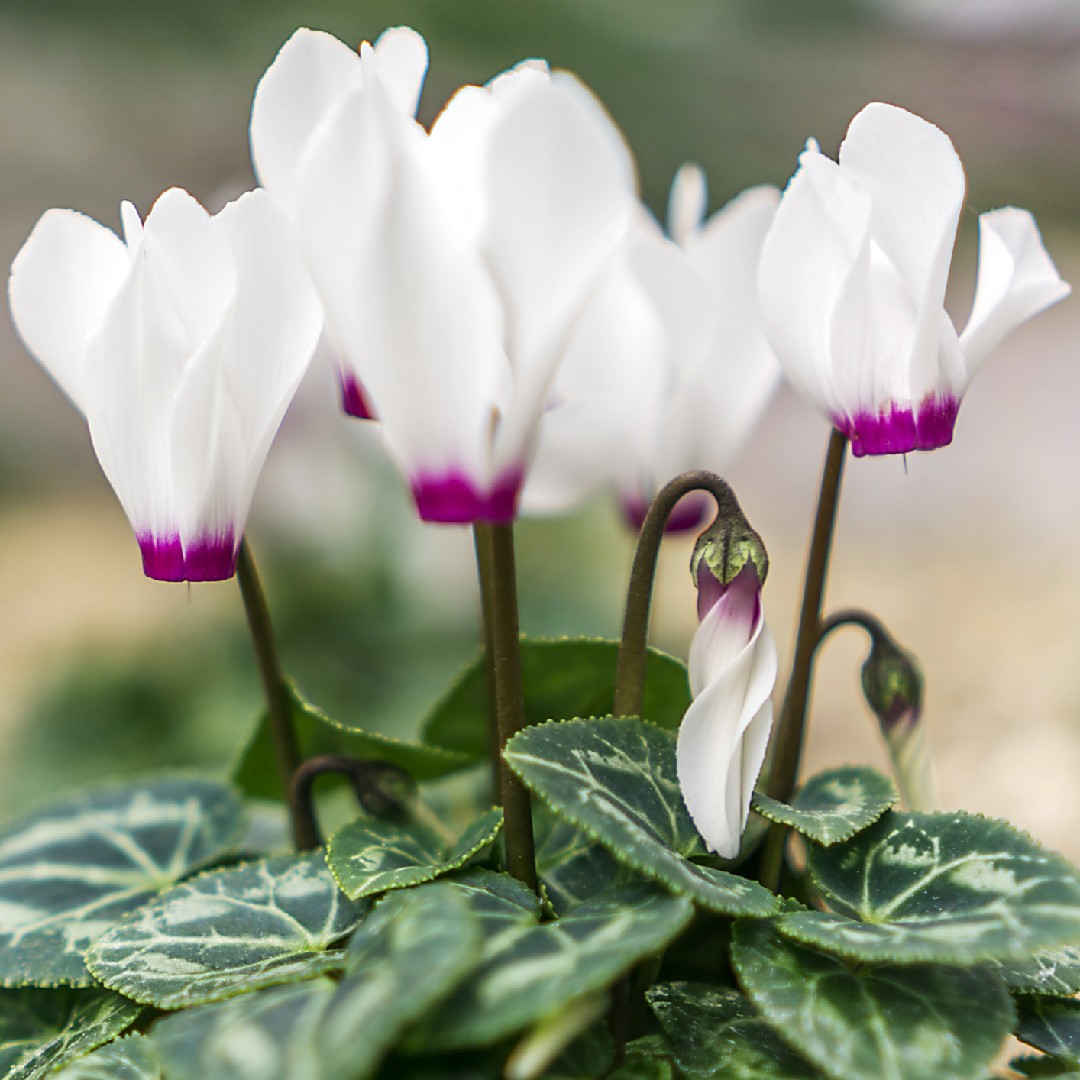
x,y
723,550
892,682
383,789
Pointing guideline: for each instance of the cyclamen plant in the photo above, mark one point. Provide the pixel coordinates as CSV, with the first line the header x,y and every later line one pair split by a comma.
x,y
617,893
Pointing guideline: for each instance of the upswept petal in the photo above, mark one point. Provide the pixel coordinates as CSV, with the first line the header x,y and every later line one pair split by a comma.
x,y
559,200
236,389
740,372
687,202
191,259
128,399
603,415
723,736
915,182
408,303
1016,280
311,75
62,282
402,57
821,224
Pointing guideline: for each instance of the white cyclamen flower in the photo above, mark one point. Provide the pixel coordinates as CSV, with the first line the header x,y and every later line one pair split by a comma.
x,y
723,736
668,369
451,266
853,274
182,345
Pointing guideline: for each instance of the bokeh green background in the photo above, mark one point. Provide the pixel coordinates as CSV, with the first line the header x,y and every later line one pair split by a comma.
x,y
970,554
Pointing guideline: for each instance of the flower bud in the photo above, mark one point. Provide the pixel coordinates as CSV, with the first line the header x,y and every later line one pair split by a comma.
x,y
728,545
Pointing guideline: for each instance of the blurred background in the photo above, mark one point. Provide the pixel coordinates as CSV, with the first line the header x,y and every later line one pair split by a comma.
x,y
969,554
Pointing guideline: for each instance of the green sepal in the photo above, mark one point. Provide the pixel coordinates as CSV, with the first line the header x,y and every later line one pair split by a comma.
x,y
562,677
71,870
369,856
951,888
873,1022
834,805
256,773
615,779
40,1030
229,932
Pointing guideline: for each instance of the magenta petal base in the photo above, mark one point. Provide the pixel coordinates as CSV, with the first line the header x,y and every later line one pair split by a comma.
x,y
898,430
209,559
354,398
453,498
689,514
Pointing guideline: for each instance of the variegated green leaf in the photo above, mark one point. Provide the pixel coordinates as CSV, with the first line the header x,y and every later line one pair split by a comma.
x,y
410,953
1031,1065
572,866
538,969
1050,1024
71,870
369,857
883,1022
955,888
833,805
229,931
130,1058
646,1058
271,1034
562,678
501,903
694,1016
41,1030
256,771
1054,971
615,779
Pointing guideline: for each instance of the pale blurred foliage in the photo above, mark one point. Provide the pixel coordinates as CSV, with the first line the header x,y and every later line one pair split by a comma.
x,y
970,554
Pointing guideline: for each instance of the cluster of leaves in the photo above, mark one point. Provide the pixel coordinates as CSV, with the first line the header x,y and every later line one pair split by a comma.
x,y
156,930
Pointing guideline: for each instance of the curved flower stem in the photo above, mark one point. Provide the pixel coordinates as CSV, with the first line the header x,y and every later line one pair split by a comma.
x,y
788,741
498,590
630,668
851,617
278,705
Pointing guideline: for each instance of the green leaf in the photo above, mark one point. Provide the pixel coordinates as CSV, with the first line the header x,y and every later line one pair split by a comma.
x,y
1055,972
369,856
41,1030
884,1022
228,932
572,866
71,870
410,952
955,888
256,772
694,1017
833,805
130,1058
615,779
271,1034
538,969
503,905
1050,1024
562,678
646,1059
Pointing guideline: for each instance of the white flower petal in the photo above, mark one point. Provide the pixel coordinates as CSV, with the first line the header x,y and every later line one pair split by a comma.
x,y
722,739
62,282
408,303
236,390
558,203
402,57
192,261
1016,280
821,224
915,182
311,74
687,202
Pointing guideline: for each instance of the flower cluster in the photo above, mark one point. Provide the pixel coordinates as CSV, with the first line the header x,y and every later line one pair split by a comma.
x,y
518,326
